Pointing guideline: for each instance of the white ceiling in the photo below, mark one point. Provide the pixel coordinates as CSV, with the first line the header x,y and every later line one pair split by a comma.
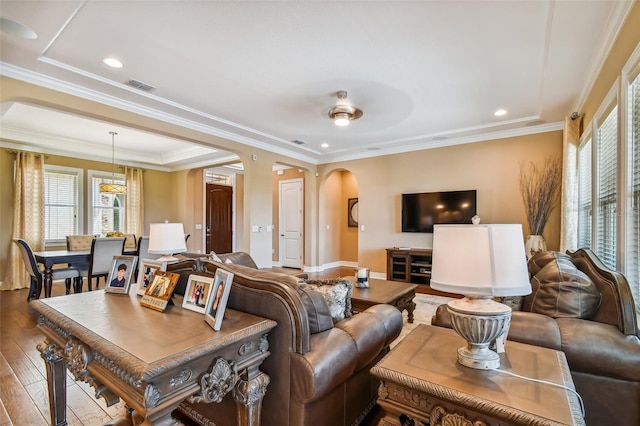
x,y
265,73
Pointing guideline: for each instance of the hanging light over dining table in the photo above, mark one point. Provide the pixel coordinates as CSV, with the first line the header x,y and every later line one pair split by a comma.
x,y
113,187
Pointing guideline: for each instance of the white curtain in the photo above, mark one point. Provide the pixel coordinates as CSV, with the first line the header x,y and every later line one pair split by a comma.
x,y
569,201
28,216
134,202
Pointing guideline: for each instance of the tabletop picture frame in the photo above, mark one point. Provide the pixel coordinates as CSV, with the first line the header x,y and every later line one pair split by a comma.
x,y
217,303
119,278
158,293
146,270
197,293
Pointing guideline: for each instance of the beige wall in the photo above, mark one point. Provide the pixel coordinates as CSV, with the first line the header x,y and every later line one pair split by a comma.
x,y
348,235
491,167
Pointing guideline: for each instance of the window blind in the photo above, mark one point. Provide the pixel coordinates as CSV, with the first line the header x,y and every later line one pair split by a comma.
x,y
606,189
584,194
61,205
632,260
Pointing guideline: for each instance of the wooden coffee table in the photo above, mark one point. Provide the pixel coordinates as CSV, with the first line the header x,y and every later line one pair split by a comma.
x,y
379,292
422,381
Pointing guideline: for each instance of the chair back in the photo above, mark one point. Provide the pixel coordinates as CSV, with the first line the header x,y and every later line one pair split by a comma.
x,y
130,241
102,252
28,258
79,242
143,250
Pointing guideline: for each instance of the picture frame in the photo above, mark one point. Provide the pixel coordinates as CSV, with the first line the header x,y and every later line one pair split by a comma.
x,y
158,293
217,303
197,293
119,278
352,213
146,270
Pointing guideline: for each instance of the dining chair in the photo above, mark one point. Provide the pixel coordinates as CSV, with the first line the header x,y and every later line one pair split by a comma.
x,y
101,259
37,276
143,250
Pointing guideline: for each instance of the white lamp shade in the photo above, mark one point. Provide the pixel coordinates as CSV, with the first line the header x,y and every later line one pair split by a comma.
x,y
480,260
166,238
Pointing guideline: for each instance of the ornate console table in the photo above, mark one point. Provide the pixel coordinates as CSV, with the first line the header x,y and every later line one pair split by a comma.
x,y
152,360
421,381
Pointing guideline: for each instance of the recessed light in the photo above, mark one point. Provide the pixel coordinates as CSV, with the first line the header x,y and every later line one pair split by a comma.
x,y
500,113
112,62
325,145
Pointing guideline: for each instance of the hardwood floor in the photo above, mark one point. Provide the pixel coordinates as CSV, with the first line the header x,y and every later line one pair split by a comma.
x,y
23,383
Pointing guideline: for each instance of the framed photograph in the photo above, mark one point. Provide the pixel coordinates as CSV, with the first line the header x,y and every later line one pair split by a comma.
x,y
352,213
119,278
159,292
146,270
197,293
214,311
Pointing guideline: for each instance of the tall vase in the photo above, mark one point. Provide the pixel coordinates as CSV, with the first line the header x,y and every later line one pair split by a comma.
x,y
534,244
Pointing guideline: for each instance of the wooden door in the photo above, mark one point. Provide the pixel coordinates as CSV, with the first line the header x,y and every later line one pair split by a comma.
x,y
219,234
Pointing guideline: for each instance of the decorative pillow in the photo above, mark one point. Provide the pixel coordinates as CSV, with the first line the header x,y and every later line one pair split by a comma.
x,y
228,261
215,257
337,293
561,290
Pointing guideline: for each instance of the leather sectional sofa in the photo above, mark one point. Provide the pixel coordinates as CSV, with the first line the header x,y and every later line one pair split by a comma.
x,y
319,371
584,309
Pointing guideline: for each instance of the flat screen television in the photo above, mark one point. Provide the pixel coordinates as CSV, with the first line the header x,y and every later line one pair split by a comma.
x,y
423,210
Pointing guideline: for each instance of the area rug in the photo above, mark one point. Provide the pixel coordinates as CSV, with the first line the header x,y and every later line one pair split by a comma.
x,y
426,305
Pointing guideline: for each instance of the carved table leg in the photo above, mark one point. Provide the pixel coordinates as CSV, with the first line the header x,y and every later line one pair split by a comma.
x,y
248,396
48,281
411,306
56,381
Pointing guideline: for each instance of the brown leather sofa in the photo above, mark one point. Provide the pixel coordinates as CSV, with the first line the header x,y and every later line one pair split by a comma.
x,y
584,309
319,371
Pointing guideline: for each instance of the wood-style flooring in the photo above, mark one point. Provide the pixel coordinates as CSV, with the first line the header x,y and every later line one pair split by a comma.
x,y
23,384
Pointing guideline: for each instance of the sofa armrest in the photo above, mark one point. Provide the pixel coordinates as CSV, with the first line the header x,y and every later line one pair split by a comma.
x,y
600,349
338,353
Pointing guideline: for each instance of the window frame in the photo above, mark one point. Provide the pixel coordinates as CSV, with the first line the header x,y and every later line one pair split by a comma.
x,y
80,206
97,174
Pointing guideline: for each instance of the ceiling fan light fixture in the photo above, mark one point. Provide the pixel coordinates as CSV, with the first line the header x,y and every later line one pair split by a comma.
x,y
113,187
343,113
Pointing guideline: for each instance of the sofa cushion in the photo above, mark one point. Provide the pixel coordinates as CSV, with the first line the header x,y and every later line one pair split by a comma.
x,y
317,309
560,290
337,293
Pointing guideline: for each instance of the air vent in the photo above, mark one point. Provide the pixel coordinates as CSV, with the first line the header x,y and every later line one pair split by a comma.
x,y
298,142
140,85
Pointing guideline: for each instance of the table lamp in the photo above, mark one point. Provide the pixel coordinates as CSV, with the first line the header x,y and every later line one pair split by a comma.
x,y
166,239
480,262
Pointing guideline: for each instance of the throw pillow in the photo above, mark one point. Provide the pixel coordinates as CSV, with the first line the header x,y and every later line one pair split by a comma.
x,y
337,293
561,290
215,257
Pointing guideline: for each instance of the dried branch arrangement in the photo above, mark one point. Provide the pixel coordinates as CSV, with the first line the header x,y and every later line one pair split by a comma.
x,y
540,188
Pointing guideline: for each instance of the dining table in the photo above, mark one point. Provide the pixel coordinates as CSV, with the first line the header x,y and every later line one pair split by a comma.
x,y
57,257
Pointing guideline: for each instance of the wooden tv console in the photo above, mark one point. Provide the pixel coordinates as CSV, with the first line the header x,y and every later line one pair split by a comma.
x,y
411,265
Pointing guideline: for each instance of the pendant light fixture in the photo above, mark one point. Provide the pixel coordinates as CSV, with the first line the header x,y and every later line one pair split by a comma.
x,y
113,187
343,112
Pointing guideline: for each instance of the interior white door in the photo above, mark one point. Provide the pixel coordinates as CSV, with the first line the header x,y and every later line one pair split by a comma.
x,y
291,214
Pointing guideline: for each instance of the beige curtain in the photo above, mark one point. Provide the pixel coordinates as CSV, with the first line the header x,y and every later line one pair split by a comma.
x,y
134,202
569,201
28,216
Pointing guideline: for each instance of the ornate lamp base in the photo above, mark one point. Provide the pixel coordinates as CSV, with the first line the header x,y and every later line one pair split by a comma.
x,y
479,320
